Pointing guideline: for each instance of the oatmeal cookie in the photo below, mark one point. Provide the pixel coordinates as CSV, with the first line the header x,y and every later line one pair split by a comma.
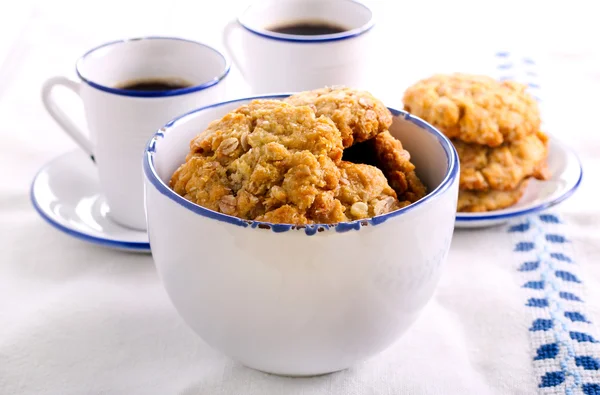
x,y
386,152
395,162
365,192
358,115
474,108
263,121
479,201
275,162
502,168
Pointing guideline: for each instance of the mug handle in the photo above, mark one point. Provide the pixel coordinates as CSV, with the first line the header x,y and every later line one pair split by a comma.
x,y
228,32
59,115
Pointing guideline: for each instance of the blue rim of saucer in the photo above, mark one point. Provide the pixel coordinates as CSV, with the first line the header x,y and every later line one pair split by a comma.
x,y
151,175
150,94
466,218
136,246
324,38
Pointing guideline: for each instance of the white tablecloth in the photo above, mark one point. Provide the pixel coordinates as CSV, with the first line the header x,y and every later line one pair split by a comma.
x,y
80,319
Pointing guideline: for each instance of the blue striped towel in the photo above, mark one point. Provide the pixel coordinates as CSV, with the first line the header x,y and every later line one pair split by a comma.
x,y
565,343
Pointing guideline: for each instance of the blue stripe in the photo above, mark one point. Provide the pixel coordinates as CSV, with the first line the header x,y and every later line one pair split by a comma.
x,y
569,296
505,66
541,324
529,266
556,239
587,362
546,351
549,218
552,379
591,389
560,257
575,316
567,276
507,78
537,302
582,337
534,285
523,227
524,246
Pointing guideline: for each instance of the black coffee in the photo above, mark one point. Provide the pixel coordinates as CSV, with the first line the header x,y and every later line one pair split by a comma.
x,y
308,28
154,84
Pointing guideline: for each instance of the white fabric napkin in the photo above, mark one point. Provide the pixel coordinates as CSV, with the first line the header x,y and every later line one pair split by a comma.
x,y
513,313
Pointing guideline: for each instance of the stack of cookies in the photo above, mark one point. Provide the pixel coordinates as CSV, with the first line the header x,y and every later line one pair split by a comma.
x,y
495,128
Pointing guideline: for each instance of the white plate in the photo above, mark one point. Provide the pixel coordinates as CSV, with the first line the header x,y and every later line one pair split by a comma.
x,y
66,193
540,195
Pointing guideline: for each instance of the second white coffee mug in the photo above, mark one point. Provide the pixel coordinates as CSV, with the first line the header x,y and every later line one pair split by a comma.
x,y
273,61
125,101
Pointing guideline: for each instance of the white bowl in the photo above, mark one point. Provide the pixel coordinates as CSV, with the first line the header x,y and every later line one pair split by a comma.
x,y
294,300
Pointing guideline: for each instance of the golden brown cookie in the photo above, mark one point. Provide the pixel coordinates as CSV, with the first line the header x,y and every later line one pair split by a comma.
x,y
502,168
479,201
276,162
358,115
265,121
395,162
474,108
365,191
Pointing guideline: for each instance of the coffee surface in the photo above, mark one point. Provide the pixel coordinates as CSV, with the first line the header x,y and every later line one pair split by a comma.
x,y
154,84
308,28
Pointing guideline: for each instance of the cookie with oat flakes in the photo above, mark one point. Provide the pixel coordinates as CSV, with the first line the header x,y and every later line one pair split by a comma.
x,y
395,163
502,168
276,162
474,108
358,115
480,201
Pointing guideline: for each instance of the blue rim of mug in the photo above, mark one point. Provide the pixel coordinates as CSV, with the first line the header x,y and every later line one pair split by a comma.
x,y
150,173
324,38
133,93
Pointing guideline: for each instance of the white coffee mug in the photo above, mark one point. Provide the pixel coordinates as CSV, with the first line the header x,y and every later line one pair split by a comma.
x,y
121,121
277,62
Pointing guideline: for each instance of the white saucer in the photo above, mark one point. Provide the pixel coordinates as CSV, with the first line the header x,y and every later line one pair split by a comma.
x,y
66,193
540,195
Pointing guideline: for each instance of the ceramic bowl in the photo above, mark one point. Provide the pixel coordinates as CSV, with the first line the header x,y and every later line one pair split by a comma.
x,y
293,300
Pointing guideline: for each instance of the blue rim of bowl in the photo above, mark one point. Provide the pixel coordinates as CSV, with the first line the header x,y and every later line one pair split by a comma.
x,y
137,246
150,94
152,176
324,38
463,218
